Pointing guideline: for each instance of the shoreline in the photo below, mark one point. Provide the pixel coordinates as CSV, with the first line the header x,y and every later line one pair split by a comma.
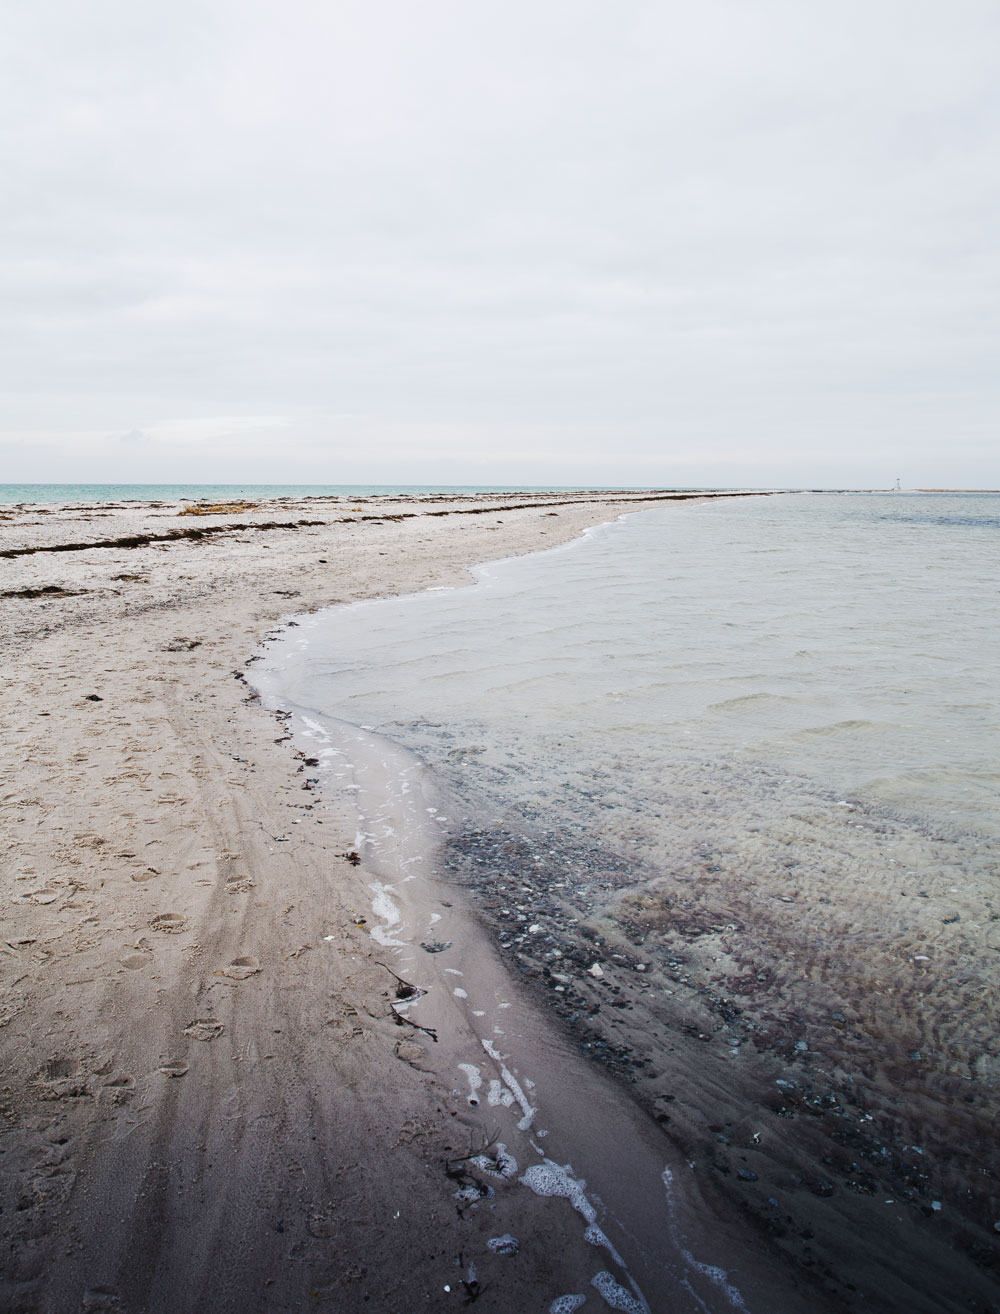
x,y
203,1102
820,1128
192,1005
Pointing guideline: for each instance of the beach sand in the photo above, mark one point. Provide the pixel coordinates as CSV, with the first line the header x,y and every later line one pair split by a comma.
x,y
213,1098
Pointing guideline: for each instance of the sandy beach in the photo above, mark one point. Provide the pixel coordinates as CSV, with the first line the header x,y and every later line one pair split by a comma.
x,y
213,1096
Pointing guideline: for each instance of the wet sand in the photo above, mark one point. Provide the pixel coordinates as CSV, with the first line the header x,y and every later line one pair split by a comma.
x,y
210,1100
215,1095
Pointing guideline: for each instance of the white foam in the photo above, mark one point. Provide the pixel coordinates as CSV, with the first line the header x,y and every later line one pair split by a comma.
x,y
719,1277
474,1079
383,907
503,1163
499,1095
567,1304
615,1295
551,1178
513,1085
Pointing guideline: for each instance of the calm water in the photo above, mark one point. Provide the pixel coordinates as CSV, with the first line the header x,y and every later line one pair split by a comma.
x,y
737,760
848,642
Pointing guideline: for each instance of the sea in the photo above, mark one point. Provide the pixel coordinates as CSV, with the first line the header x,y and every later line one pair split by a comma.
x,y
847,642
724,707
720,781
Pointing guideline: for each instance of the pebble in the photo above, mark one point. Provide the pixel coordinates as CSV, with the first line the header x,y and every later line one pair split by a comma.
x,y
504,1245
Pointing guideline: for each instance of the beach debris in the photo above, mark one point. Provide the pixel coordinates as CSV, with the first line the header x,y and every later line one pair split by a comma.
x,y
93,698
473,1289
473,1192
174,1069
404,989
182,644
204,1028
351,856
241,968
499,1163
435,946
403,1020
168,923
215,508
504,1245
43,591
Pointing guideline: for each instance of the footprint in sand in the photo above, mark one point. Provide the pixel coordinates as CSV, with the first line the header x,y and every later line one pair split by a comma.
x,y
239,886
204,1028
169,923
43,896
57,1069
120,1088
100,1299
240,968
174,1068
136,961
60,1079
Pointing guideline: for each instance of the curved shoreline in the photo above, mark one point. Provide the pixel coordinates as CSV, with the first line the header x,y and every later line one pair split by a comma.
x,y
203,1101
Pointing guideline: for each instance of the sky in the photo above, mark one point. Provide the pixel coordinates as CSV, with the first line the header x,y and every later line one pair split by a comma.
x,y
731,243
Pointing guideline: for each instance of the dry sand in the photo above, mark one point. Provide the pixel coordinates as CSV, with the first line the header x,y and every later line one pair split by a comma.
x,y
210,1099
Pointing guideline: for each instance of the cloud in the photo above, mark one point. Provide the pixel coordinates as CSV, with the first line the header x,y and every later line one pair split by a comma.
x,y
587,239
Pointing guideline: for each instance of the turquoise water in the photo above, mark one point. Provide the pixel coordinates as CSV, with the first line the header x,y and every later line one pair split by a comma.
x,y
193,492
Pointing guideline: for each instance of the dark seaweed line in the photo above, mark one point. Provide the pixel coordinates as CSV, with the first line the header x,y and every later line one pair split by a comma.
x,y
208,531
144,540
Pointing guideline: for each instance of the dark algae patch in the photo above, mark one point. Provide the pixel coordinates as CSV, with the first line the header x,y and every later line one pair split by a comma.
x,y
194,534
790,1096
43,591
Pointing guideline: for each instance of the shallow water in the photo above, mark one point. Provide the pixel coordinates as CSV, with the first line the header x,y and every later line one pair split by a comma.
x,y
848,640
721,778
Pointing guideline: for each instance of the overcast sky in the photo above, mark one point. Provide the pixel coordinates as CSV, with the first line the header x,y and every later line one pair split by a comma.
x,y
465,241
